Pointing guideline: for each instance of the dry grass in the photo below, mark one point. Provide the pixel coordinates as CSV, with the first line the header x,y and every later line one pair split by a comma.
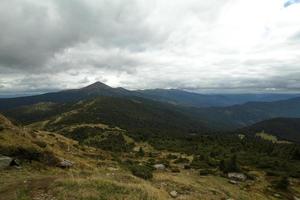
x,y
95,176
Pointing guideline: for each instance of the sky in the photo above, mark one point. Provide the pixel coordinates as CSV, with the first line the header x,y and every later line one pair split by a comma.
x,y
215,46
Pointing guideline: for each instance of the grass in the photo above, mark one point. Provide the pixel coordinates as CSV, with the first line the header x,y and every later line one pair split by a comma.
x,y
95,189
96,176
271,138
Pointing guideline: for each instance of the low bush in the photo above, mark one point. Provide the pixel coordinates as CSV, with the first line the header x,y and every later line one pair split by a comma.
x,y
141,171
40,143
171,156
205,172
282,184
182,160
1,127
175,169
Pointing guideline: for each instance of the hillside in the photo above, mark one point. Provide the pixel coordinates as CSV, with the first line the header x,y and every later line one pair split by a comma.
x,y
139,116
282,128
146,116
105,173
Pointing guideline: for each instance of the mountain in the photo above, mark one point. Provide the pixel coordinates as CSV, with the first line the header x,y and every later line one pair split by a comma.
x,y
176,97
282,128
180,97
96,89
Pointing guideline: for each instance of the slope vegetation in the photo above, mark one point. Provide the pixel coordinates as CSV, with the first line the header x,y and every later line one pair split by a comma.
x,y
282,128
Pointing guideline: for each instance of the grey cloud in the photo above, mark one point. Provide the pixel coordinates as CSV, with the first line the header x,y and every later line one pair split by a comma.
x,y
48,45
38,31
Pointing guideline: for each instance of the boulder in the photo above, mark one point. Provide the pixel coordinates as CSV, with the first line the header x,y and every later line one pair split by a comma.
x,y
277,195
65,164
237,176
5,162
159,166
173,194
233,182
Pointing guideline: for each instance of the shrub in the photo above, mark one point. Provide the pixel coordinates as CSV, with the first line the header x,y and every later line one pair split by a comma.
x,y
141,171
175,169
114,143
230,165
199,162
205,172
141,152
40,143
182,160
1,127
283,183
187,167
171,156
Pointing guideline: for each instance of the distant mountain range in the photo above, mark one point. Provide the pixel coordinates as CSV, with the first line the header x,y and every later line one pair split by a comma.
x,y
155,111
237,116
176,97
180,97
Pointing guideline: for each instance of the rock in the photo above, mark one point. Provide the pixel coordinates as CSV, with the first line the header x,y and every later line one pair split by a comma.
x,y
173,194
296,198
277,195
159,166
6,162
237,176
65,164
233,182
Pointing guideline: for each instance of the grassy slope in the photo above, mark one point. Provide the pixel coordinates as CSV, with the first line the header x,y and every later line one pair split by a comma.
x,y
97,175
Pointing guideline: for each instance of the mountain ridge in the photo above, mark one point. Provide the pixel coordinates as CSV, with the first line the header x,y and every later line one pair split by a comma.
x,y
173,96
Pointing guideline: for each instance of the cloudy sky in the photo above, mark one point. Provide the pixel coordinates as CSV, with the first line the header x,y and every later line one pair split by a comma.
x,y
205,46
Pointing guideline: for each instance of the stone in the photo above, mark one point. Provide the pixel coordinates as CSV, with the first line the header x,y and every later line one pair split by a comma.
x,y
5,161
277,195
233,182
173,194
237,176
65,164
159,166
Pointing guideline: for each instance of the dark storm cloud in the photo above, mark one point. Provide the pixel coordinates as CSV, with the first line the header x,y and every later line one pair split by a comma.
x,y
32,33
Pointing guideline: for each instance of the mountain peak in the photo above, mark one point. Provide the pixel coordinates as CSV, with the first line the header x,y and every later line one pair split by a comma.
x,y
97,85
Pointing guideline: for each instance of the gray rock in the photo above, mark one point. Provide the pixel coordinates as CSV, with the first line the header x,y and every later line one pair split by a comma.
x,y
173,194
233,182
159,166
5,162
237,176
277,195
65,164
